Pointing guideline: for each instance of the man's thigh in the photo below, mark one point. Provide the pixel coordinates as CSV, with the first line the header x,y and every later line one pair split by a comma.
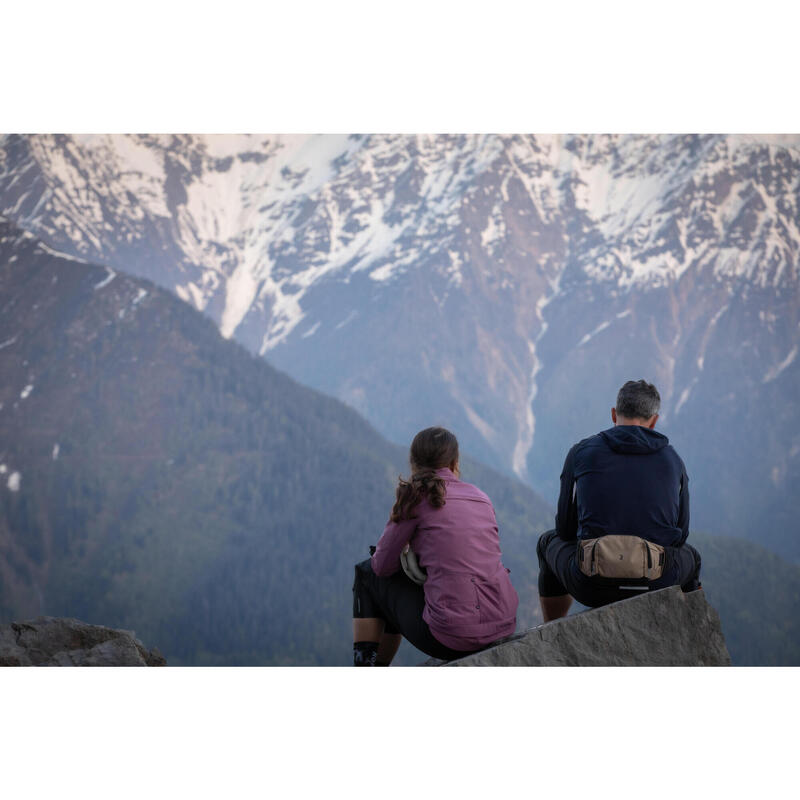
x,y
683,569
558,556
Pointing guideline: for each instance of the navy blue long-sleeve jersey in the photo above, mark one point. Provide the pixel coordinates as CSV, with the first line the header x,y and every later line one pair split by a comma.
x,y
625,480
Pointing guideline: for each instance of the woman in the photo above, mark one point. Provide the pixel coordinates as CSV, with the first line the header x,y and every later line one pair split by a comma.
x,y
467,601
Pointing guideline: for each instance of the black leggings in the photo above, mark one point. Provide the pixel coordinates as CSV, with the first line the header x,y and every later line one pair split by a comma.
x,y
400,602
559,574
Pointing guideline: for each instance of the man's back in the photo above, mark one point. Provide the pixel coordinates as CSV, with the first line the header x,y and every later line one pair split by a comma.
x,y
625,480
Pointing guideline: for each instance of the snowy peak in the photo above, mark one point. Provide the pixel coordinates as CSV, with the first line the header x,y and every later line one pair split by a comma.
x,y
249,223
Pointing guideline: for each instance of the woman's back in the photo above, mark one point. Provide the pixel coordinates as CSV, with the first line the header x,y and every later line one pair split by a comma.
x,y
469,599
461,536
466,601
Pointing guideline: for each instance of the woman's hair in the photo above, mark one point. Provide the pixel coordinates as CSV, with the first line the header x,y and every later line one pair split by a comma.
x,y
431,449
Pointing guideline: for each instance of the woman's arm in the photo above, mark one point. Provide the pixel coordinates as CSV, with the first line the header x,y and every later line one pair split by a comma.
x,y
396,535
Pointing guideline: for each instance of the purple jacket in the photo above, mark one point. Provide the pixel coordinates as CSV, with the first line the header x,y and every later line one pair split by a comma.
x,y
469,599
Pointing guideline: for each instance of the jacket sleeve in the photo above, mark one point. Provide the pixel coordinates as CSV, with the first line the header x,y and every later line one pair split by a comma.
x,y
683,508
567,512
395,536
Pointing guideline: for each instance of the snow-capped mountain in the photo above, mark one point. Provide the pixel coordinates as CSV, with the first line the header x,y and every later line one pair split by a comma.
x,y
503,285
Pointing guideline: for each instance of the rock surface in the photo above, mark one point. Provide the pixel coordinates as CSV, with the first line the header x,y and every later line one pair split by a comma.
x,y
58,642
659,629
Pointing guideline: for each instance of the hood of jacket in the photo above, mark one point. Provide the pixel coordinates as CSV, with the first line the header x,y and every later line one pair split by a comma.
x,y
634,439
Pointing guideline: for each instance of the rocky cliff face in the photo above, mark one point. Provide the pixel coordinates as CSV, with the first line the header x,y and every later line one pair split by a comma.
x,y
666,628
54,642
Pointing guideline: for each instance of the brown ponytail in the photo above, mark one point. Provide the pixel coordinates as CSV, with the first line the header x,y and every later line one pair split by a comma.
x,y
432,449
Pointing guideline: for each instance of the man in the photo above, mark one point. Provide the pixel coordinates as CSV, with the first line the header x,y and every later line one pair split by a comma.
x,y
623,514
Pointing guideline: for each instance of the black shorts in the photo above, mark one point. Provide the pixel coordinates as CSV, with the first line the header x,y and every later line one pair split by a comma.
x,y
559,574
400,602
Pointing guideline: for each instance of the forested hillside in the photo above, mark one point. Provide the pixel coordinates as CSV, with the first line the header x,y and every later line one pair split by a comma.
x,y
169,482
757,595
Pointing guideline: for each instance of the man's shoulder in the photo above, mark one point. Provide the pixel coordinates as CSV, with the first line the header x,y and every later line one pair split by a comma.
x,y
596,440
673,453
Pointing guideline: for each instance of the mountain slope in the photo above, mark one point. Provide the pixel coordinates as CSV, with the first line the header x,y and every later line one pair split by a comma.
x,y
159,478
504,285
757,595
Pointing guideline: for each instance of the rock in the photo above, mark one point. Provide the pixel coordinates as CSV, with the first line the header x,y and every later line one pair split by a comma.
x,y
659,629
58,642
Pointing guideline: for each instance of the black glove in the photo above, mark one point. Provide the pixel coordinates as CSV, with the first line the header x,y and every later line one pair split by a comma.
x,y
372,549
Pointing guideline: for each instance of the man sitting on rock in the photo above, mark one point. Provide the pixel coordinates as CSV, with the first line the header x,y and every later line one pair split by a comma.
x,y
623,514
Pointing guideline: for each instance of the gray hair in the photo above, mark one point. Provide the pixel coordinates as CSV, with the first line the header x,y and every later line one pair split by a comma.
x,y
638,400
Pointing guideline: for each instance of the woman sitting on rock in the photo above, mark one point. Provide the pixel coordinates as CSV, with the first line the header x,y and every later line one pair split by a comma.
x,y
466,601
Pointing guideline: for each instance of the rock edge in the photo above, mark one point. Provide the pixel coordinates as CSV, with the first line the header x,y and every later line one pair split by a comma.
x,y
64,642
658,629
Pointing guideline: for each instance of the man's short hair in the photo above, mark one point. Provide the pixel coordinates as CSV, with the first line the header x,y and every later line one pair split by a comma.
x,y
638,400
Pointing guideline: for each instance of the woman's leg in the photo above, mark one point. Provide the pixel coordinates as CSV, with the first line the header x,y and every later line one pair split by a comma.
x,y
375,642
397,602
368,630
387,648
372,631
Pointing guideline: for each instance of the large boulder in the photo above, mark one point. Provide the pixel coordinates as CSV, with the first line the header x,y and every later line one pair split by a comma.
x,y
58,642
658,629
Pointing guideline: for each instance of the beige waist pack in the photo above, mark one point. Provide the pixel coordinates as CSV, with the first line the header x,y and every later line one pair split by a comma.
x,y
621,556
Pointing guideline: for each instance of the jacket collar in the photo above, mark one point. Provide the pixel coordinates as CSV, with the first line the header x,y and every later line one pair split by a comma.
x,y
446,473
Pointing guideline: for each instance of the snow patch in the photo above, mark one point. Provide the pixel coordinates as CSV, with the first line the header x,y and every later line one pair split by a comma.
x,y
382,273
183,293
527,421
601,327
527,427
778,368
349,318
480,424
23,395
58,253
495,228
684,396
110,275
8,342
14,480
197,297
454,270
311,331
240,291
3,469
56,451
286,314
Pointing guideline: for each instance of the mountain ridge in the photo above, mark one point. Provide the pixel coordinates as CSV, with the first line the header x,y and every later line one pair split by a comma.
x,y
171,483
506,285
